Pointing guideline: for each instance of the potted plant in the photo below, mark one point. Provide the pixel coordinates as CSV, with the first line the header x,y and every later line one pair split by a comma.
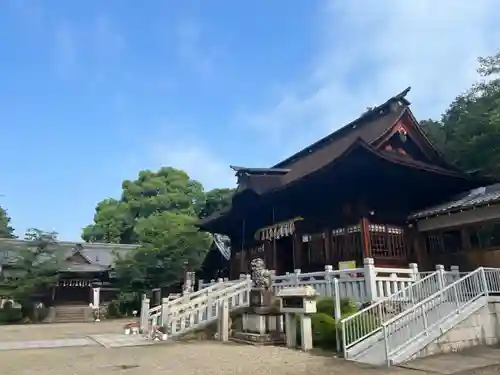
x,y
131,328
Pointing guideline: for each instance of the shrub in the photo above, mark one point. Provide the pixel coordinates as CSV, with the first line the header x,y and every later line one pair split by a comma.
x,y
113,310
326,305
10,315
348,306
323,330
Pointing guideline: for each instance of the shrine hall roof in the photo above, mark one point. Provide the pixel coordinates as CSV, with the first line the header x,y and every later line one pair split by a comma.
x,y
482,196
98,256
361,133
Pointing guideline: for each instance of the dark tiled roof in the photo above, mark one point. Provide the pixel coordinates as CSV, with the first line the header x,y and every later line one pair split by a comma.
x,y
471,199
83,268
100,255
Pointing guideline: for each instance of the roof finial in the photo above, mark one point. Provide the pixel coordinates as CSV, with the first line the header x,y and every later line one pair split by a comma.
x,y
403,93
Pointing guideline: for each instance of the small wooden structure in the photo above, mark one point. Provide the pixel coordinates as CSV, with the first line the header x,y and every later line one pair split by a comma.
x,y
344,198
86,266
464,231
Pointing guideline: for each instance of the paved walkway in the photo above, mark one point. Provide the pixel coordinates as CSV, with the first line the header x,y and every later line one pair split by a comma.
x,y
109,340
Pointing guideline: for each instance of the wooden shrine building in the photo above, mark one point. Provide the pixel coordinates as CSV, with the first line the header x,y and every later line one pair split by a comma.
x,y
83,269
344,198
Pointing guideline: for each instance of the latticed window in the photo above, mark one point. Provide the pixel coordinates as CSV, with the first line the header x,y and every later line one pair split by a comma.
x,y
345,244
387,241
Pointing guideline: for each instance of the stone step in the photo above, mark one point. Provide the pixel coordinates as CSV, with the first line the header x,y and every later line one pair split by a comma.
x,y
67,314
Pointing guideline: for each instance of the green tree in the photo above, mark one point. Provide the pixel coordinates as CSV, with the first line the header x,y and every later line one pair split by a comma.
x,y
170,243
36,265
469,131
6,231
159,211
216,200
152,193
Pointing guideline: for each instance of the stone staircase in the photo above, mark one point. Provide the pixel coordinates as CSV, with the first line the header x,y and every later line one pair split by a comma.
x,y
70,314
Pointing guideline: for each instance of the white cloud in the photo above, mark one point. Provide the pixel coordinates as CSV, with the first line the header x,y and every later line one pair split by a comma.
x,y
179,149
370,50
192,47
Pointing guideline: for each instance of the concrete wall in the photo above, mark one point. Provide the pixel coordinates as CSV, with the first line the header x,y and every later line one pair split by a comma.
x,y
481,328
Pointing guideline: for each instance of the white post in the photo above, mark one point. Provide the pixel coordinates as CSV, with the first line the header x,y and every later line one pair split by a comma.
x,y
164,312
328,280
370,279
96,299
224,320
306,332
337,313
455,272
200,284
144,313
291,331
296,277
440,270
414,271
96,294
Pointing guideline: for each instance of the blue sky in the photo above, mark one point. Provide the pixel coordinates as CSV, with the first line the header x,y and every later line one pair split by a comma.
x,y
93,91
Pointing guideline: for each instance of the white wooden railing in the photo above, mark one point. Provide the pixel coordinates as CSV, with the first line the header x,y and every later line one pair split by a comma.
x,y
194,309
207,308
363,284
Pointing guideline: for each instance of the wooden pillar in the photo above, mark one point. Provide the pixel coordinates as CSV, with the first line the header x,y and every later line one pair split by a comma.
x,y
297,249
276,267
327,235
242,261
365,238
417,242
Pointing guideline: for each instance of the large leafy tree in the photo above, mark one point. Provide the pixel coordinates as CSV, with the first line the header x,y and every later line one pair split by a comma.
x,y
6,231
158,211
216,200
469,131
152,193
35,265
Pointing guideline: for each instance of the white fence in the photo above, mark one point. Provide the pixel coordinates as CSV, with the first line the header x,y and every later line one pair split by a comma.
x,y
367,283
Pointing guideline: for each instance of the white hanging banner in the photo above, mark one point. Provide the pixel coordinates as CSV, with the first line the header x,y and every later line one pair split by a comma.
x,y
277,231
223,243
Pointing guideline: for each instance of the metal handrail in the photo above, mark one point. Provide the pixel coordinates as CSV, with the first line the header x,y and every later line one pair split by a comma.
x,y
430,298
460,300
370,318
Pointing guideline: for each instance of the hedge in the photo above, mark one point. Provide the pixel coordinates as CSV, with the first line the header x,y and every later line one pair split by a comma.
x,y
10,315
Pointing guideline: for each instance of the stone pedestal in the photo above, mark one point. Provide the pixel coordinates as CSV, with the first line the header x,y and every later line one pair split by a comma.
x,y
261,323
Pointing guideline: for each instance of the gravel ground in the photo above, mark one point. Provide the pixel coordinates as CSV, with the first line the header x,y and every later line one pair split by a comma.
x,y
203,358
191,358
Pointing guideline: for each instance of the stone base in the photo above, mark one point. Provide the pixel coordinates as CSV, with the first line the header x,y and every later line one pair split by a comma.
x,y
262,323
274,338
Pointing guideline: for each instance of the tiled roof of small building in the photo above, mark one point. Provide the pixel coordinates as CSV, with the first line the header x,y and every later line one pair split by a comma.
x,y
101,255
474,198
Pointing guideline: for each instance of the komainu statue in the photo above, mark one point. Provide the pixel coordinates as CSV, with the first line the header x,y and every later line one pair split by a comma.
x,y
260,275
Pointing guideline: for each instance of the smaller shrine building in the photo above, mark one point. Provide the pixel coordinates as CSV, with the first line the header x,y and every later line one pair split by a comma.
x,y
86,272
